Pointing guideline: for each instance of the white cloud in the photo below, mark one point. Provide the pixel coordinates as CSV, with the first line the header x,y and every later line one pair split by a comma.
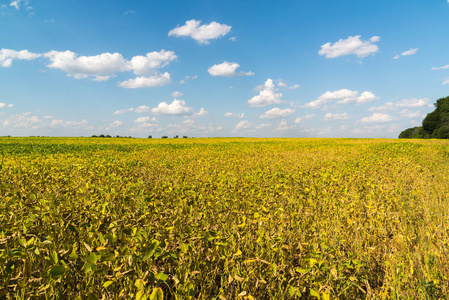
x,y
377,117
446,81
145,65
144,127
243,125
233,38
142,120
282,84
143,109
405,113
177,107
116,124
267,96
234,115
298,120
24,120
8,55
309,116
366,97
2,105
335,117
201,113
387,106
415,102
441,68
406,53
227,69
68,124
283,126
151,81
351,45
16,3
276,112
122,111
202,34
176,94
344,96
105,64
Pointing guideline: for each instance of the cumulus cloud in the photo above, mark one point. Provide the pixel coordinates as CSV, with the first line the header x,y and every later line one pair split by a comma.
x,y
24,120
143,109
406,53
234,115
142,119
377,118
298,120
283,126
365,97
202,34
276,112
177,107
176,94
343,96
201,113
415,102
8,55
116,124
351,45
227,69
267,95
68,124
3,105
446,81
405,113
282,84
145,65
387,106
101,67
243,125
105,64
151,81
335,117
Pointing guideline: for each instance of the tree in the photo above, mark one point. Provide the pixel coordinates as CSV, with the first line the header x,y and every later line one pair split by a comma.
x,y
435,125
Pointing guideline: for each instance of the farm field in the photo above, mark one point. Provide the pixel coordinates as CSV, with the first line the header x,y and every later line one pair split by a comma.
x,y
224,218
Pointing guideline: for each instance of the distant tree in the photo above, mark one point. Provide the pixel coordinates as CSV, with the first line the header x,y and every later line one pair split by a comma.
x,y
184,136
435,125
108,136
175,137
150,137
94,136
165,137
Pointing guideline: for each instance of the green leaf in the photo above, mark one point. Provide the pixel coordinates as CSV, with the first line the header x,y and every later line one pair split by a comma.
x,y
157,294
161,277
291,291
139,284
107,283
314,293
54,257
93,258
15,252
57,271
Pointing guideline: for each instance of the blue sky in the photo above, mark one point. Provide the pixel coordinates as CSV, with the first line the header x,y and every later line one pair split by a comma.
x,y
303,68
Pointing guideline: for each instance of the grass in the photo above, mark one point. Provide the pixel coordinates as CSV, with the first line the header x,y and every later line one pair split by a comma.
x,y
86,218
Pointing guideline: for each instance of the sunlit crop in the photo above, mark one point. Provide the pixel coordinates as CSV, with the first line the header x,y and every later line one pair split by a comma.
x,y
223,219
